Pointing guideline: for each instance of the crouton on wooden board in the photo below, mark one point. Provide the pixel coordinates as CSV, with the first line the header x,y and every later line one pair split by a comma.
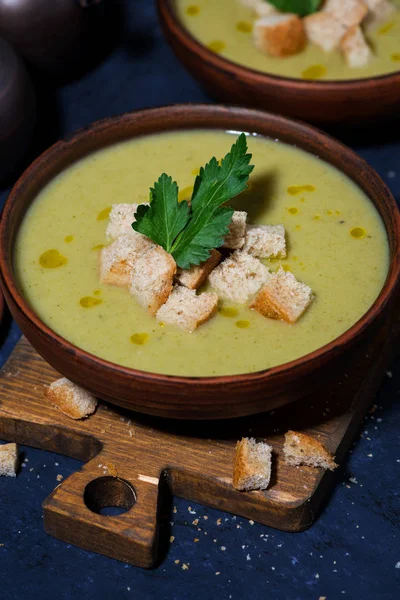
x,y
302,449
252,465
8,460
69,398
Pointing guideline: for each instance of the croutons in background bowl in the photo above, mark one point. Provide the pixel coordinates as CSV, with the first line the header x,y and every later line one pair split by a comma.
x,y
198,397
351,102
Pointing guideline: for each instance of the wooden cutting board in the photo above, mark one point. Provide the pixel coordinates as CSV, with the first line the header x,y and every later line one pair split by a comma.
x,y
137,462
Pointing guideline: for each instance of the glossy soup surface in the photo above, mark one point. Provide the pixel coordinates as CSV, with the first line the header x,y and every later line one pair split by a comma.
x,y
225,26
336,240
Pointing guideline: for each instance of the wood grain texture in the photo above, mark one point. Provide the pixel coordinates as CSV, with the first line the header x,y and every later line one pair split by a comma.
x,y
140,461
352,102
197,397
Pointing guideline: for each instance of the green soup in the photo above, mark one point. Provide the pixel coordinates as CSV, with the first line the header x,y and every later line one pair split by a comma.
x,y
225,26
336,244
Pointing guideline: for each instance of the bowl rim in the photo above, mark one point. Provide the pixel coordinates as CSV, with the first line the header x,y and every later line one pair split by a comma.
x,y
346,340
1,306
167,10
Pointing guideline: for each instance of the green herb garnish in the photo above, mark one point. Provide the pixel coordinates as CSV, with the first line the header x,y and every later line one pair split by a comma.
x,y
190,232
299,7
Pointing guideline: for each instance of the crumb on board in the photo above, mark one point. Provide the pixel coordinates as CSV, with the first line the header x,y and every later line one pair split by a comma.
x,y
59,477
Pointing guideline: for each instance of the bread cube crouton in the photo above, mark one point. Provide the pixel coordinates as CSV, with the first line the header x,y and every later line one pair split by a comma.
x,y
237,231
239,277
283,297
252,466
264,9
117,259
70,399
302,449
265,241
152,278
280,34
187,310
379,12
355,48
8,460
120,220
194,277
324,31
348,13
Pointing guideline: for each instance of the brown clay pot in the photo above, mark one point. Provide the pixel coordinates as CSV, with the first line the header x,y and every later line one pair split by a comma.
x,y
191,397
350,103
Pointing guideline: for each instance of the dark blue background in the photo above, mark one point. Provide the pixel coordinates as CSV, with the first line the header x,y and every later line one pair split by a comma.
x,y
351,551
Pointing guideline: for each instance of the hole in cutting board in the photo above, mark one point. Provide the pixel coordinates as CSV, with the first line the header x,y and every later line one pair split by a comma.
x,y
110,496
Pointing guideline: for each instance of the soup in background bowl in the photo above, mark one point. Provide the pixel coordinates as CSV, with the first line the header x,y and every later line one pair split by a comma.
x,y
342,234
215,44
226,27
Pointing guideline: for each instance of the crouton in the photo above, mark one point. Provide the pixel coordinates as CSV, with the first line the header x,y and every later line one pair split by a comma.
x,y
120,220
283,297
152,278
302,449
117,259
355,48
379,12
264,9
265,241
280,34
197,274
348,13
8,460
187,310
237,231
252,465
239,277
324,31
70,399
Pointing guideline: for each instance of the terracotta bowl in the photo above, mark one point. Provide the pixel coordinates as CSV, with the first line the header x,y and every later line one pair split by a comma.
x,y
351,102
1,307
191,397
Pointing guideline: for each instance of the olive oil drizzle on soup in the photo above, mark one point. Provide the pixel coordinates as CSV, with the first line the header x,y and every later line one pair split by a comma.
x,y
336,244
225,26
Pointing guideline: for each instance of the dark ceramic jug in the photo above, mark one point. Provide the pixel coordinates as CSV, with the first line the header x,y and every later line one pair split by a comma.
x,y
17,110
53,35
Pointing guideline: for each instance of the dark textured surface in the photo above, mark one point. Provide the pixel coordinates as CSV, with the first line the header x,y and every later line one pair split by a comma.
x,y
353,548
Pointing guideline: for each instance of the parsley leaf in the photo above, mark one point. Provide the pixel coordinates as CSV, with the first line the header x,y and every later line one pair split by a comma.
x,y
189,233
215,185
165,217
299,7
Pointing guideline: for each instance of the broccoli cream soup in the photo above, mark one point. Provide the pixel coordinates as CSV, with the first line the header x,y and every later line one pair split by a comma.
x,y
336,242
225,26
